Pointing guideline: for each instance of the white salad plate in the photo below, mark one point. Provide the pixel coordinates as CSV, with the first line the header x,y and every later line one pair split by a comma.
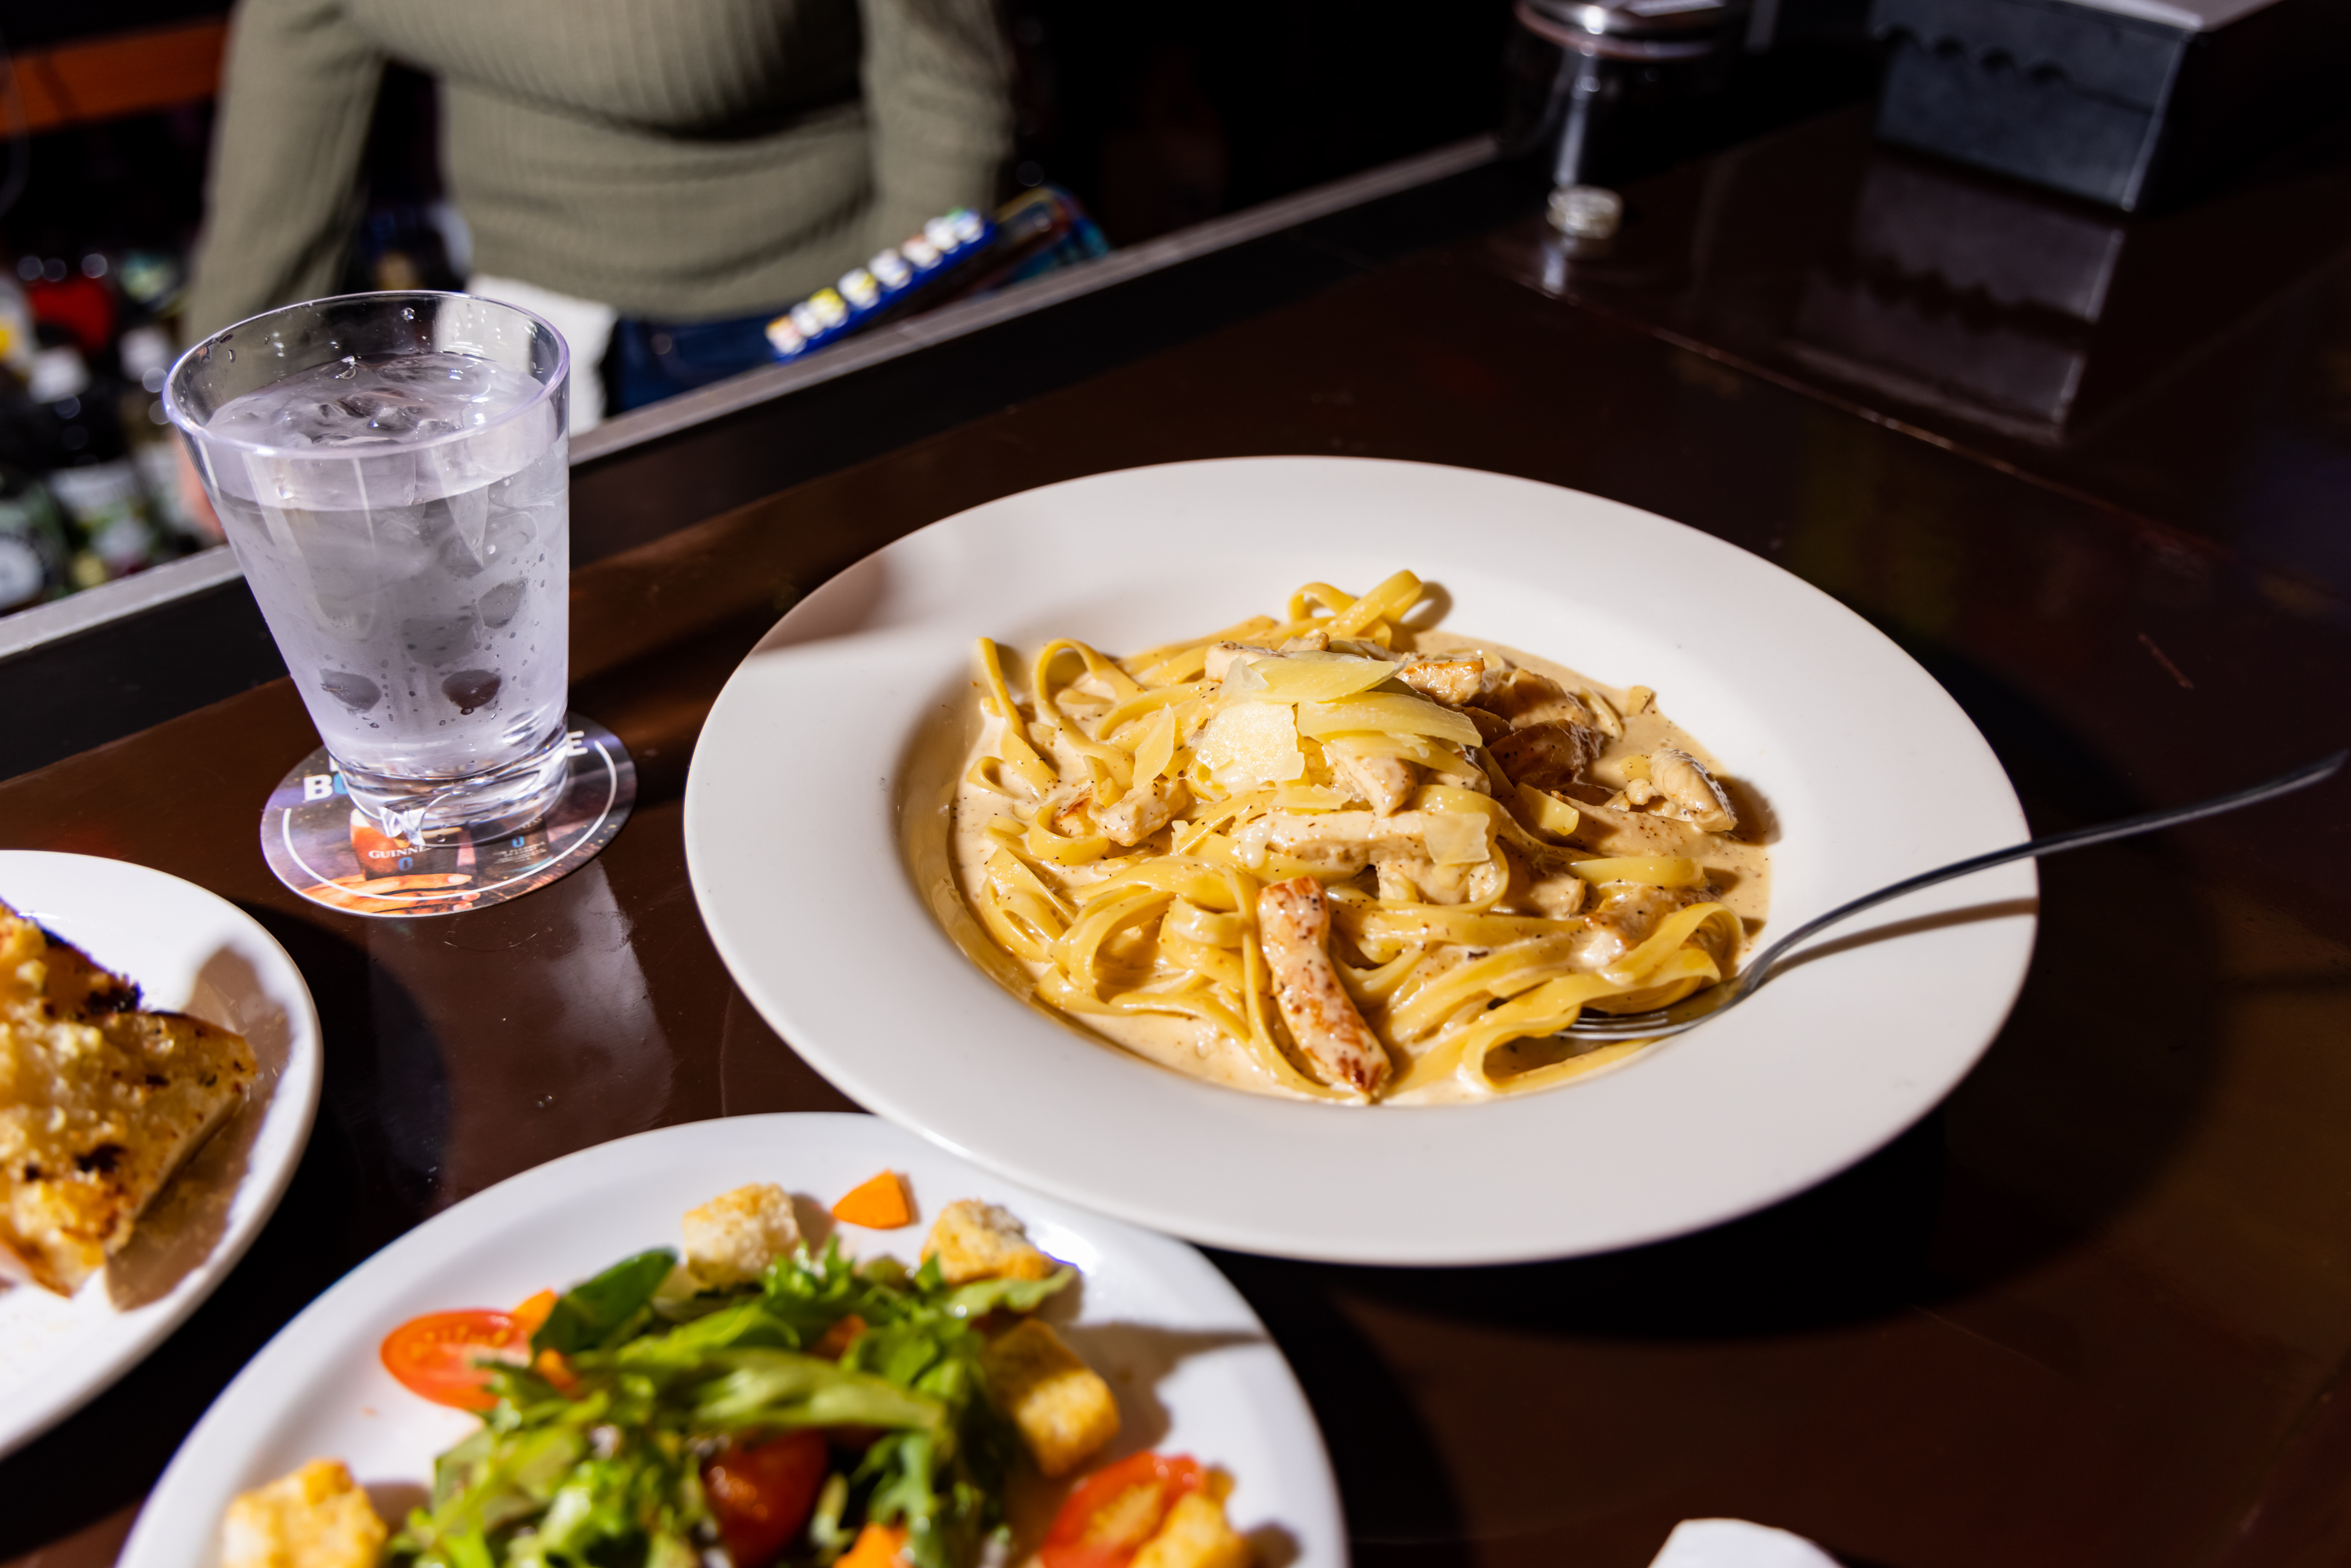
x,y
1193,1368
192,952
821,781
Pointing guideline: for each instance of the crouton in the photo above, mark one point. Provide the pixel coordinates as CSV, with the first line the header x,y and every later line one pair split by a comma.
x,y
315,1518
1062,1409
731,1239
1195,1534
975,1240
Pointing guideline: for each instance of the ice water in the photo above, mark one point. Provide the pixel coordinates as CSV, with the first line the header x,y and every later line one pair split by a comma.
x,y
406,532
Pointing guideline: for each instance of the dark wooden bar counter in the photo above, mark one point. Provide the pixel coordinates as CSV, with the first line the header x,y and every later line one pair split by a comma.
x,y
2094,1309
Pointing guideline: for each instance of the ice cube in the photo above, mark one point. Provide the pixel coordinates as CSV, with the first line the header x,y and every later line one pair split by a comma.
x,y
466,515
510,534
498,605
470,689
408,398
438,640
356,693
457,557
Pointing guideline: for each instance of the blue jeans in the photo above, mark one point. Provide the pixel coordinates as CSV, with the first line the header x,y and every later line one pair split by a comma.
x,y
650,361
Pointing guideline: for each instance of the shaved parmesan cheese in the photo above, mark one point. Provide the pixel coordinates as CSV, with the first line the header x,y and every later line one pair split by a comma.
x,y
1250,745
1389,711
1457,838
1241,679
1317,677
1444,757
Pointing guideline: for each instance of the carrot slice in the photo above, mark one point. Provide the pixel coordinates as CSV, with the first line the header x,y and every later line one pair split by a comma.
x,y
879,1204
533,1313
877,1544
551,1365
835,1340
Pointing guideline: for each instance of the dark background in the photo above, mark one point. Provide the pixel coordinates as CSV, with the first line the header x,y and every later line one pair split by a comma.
x,y
27,23
1154,116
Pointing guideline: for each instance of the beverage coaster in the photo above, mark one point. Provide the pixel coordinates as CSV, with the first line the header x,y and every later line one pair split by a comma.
x,y
335,855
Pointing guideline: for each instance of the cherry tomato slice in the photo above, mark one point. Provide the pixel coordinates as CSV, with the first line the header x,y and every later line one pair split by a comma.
x,y
1114,1511
762,1493
440,1355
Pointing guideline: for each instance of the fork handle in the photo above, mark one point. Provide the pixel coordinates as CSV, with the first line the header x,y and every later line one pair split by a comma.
x,y
2129,827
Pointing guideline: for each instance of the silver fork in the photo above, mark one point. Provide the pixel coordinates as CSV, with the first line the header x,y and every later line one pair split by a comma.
x,y
1720,997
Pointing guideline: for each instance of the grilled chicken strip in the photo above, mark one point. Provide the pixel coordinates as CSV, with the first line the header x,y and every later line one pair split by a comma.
x,y
1454,681
1342,843
1135,817
1143,812
1691,792
1338,843
1384,782
1294,921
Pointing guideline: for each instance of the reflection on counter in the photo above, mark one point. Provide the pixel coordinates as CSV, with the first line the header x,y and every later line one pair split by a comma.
x,y
1964,297
2194,366
2023,313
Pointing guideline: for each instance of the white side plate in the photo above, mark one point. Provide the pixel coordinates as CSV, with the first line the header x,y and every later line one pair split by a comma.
x,y
809,768
194,953
1193,1368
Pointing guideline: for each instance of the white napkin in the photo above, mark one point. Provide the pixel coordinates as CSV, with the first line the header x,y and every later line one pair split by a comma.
x,y
1735,1543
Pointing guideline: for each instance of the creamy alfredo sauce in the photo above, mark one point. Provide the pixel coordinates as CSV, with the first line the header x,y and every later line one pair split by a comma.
x,y
1737,865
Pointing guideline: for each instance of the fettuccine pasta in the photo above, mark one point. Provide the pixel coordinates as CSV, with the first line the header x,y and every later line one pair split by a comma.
x,y
1324,856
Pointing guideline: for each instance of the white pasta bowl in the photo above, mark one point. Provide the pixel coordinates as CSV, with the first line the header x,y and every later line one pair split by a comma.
x,y
815,817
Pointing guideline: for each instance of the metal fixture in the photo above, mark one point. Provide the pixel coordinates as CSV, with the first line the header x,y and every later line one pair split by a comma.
x,y
1615,53
1586,211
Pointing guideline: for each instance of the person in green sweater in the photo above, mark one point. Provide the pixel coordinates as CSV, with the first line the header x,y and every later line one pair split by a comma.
x,y
655,169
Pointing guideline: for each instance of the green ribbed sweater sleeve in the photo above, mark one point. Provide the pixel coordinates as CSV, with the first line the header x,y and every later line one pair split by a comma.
x,y
681,159
937,80
298,90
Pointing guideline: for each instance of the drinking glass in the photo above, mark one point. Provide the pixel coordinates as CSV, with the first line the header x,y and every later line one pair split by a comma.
x,y
391,471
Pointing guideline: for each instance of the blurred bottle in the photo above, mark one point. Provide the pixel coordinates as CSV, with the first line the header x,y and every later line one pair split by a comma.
x,y
17,342
92,471
34,545
150,281
146,355
74,298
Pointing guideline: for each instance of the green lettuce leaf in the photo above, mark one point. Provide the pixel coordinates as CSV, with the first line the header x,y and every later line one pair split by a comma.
x,y
982,1297
597,1464
607,1309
